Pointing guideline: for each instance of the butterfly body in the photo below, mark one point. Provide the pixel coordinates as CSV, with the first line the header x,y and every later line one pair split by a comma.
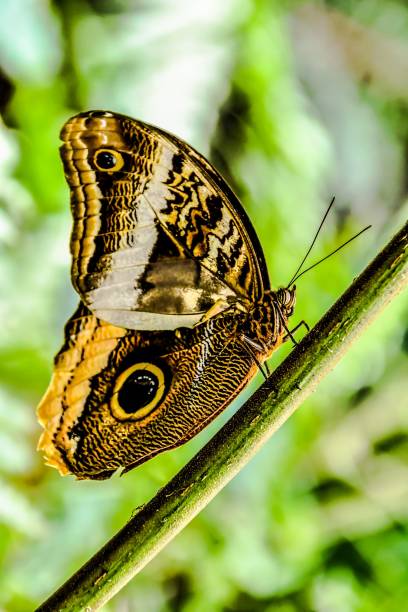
x,y
176,310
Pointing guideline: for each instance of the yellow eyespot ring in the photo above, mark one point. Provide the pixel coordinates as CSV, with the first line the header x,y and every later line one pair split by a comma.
x,y
108,160
149,381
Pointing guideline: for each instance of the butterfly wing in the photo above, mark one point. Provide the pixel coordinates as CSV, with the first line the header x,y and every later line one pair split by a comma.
x,y
158,235
119,397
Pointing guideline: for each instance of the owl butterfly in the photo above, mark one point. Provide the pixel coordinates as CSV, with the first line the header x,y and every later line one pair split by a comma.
x,y
176,311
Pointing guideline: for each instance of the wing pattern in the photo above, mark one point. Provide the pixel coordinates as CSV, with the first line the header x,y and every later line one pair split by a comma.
x,y
158,242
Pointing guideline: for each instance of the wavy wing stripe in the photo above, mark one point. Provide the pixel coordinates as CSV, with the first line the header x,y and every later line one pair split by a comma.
x,y
86,351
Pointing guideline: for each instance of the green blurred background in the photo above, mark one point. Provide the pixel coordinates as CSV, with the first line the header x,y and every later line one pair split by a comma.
x,y
294,102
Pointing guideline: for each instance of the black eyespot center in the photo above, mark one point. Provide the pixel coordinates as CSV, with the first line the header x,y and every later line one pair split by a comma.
x,y
105,160
137,391
108,160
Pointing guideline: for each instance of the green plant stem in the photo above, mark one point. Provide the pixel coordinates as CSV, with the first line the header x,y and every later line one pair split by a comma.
x,y
176,504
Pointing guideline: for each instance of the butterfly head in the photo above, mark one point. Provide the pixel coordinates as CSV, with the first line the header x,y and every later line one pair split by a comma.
x,y
286,300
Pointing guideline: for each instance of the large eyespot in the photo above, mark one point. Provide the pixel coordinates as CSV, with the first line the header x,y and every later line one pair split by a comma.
x,y
108,160
138,391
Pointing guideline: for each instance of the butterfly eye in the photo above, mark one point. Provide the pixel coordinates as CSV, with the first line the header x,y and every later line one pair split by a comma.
x,y
138,391
108,160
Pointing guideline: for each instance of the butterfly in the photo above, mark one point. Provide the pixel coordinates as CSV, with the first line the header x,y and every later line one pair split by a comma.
x,y
176,310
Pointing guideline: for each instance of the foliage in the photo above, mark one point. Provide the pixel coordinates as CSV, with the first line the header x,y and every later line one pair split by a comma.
x,y
294,103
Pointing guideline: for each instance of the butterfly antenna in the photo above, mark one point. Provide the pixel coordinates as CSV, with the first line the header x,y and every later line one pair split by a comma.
x,y
313,243
330,254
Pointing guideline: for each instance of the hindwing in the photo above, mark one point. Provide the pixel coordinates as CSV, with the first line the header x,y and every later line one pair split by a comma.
x,y
118,397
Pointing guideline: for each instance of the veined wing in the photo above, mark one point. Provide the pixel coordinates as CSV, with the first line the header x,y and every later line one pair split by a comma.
x,y
158,235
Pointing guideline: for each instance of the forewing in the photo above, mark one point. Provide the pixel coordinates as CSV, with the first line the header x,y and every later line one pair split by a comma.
x,y
158,241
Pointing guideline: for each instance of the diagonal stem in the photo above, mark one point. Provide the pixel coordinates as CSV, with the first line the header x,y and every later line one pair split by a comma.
x,y
176,504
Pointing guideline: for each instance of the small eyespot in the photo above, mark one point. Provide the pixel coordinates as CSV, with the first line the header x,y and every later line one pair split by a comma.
x,y
138,391
108,160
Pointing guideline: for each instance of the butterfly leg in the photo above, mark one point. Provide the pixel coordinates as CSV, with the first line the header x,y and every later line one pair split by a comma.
x,y
249,346
292,331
